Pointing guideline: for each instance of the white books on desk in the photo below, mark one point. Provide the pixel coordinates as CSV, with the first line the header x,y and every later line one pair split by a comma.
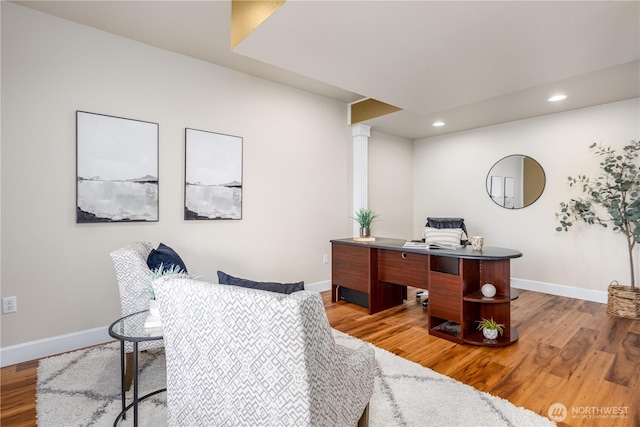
x,y
410,244
423,245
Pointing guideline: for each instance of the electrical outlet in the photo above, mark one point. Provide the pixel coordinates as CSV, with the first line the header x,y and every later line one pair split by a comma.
x,y
325,259
9,305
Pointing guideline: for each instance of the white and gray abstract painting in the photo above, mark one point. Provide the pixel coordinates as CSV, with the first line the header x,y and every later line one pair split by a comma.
x,y
213,176
117,169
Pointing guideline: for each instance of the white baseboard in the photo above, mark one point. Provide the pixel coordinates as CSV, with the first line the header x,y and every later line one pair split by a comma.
x,y
69,342
560,290
319,286
55,345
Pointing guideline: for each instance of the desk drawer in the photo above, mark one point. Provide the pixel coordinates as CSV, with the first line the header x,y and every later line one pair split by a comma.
x,y
350,266
403,268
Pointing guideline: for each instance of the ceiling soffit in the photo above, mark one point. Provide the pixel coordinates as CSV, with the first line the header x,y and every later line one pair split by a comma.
x,y
468,63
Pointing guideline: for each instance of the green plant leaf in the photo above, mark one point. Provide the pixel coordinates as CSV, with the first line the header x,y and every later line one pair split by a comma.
x,y
365,217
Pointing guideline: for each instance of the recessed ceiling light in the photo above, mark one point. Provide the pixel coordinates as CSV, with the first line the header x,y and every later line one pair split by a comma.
x,y
556,98
438,124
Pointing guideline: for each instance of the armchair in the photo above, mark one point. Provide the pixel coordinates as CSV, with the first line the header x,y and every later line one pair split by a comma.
x,y
247,357
133,274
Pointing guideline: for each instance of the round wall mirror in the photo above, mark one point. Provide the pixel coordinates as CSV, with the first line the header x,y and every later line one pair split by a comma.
x,y
515,181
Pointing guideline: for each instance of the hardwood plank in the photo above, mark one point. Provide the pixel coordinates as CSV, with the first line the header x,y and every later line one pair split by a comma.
x,y
617,329
568,360
634,326
543,393
479,371
569,325
587,378
519,383
18,395
626,366
535,392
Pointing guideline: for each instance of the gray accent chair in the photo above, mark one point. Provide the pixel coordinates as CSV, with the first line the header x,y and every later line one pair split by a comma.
x,y
247,357
133,275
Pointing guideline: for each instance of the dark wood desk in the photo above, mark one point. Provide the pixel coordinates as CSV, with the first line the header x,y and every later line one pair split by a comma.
x,y
376,275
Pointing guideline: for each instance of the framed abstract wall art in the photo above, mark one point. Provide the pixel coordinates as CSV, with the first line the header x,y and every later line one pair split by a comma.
x,y
116,169
213,176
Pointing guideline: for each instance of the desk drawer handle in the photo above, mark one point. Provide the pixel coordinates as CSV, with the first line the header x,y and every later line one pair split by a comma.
x,y
404,255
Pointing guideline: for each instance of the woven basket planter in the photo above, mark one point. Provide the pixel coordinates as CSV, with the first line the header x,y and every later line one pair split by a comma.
x,y
623,302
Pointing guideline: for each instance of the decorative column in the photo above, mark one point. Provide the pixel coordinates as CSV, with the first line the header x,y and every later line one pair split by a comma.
x,y
360,134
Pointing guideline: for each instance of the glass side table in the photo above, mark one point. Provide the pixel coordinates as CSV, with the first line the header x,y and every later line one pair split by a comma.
x,y
131,329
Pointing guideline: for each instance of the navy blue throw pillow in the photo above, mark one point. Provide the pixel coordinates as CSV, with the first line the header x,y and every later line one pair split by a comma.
x,y
283,288
166,257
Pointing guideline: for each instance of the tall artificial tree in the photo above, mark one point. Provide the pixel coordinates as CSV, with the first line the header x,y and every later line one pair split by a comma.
x,y
612,198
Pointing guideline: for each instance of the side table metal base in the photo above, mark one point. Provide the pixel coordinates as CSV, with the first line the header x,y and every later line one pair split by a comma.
x,y
131,329
122,414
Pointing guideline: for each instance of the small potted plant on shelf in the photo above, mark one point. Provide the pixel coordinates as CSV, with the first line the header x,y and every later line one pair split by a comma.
x,y
490,328
613,198
364,217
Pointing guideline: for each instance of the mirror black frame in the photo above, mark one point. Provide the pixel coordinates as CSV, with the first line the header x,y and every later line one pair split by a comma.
x,y
531,181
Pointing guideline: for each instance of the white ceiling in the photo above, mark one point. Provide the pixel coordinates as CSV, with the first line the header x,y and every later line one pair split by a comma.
x,y
467,63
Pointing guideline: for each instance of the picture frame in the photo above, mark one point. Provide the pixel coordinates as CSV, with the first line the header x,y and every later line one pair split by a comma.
x,y
116,169
213,176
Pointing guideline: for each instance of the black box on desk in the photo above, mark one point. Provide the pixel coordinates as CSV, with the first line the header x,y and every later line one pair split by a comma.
x,y
356,297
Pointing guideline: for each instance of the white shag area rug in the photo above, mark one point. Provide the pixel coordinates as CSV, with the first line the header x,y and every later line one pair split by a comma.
x,y
82,388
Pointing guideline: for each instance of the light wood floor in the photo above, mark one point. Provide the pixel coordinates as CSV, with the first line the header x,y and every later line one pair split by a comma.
x,y
569,352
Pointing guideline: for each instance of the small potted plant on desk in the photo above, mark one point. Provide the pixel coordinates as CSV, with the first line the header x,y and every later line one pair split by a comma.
x,y
364,217
490,328
613,198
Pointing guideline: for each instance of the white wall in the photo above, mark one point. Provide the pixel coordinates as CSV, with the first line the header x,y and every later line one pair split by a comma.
x,y
449,180
296,168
